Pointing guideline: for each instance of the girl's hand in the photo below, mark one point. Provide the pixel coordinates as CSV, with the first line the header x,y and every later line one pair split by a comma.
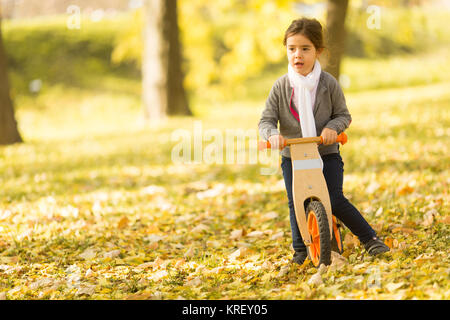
x,y
277,141
329,136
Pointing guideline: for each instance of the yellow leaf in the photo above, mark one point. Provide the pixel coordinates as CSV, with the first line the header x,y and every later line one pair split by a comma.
x,y
394,286
139,296
403,230
405,190
153,229
350,241
389,242
123,223
236,234
445,220
153,245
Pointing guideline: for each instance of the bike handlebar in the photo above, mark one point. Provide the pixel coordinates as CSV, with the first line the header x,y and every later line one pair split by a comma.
x,y
342,138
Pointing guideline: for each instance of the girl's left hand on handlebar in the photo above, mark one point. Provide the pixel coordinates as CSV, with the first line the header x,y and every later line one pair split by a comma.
x,y
329,136
277,141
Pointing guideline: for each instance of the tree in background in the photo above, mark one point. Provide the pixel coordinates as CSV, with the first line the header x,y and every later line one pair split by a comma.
x,y
224,43
336,14
9,133
162,78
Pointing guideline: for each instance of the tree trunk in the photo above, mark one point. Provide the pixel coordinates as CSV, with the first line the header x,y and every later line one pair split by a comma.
x,y
162,78
9,133
336,13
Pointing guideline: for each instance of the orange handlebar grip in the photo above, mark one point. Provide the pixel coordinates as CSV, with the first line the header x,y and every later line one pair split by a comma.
x,y
342,138
263,145
266,145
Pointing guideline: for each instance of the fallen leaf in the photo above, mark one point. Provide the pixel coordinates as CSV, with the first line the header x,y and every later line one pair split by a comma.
x,y
269,216
216,270
199,228
111,254
158,275
88,254
196,186
9,260
194,282
239,253
394,286
277,235
236,234
210,193
255,234
213,243
404,190
403,230
316,279
389,242
428,218
379,212
158,262
139,296
45,282
180,262
445,219
154,238
283,271
337,261
189,252
267,265
395,243
123,223
87,290
322,269
153,189
306,289
374,186
403,245
153,245
153,229
145,265
88,273
350,241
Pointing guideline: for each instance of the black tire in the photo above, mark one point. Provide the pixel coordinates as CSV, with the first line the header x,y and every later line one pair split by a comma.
x,y
324,256
334,243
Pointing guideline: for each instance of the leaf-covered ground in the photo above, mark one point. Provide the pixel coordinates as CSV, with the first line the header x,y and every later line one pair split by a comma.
x,y
92,207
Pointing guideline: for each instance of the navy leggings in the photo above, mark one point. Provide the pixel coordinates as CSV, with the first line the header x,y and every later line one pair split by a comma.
x,y
333,170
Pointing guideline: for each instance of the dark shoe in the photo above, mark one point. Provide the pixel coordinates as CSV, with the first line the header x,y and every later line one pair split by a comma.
x,y
375,246
299,257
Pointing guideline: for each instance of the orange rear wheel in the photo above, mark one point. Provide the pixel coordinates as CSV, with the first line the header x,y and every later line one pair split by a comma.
x,y
336,241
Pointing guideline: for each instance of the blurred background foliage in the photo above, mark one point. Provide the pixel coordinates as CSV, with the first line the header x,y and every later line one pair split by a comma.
x,y
228,45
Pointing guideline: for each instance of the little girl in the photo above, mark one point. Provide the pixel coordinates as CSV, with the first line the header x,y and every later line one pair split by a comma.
x,y
307,102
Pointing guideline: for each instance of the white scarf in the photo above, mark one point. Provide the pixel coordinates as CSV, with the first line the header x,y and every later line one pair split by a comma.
x,y
304,86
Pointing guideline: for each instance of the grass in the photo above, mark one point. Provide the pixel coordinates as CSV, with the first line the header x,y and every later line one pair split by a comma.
x,y
93,207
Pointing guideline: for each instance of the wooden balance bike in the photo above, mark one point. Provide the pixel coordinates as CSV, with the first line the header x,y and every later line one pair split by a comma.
x,y
318,227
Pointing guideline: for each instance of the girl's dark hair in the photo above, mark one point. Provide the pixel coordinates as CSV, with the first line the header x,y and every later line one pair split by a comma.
x,y
310,28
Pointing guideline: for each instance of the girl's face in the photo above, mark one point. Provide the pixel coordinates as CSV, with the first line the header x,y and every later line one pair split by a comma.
x,y
301,53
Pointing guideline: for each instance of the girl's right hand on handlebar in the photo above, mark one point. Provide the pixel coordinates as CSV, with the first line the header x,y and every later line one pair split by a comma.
x,y
277,141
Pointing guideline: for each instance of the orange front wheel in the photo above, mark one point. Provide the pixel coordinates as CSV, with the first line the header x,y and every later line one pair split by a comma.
x,y
319,250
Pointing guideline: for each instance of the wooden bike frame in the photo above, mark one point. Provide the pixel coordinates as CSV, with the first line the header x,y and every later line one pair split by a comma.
x,y
308,182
